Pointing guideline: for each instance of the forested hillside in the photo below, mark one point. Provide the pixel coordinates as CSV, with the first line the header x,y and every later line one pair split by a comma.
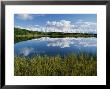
x,y
20,32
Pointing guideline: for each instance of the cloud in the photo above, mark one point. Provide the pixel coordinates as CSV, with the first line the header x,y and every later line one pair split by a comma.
x,y
69,27
85,27
61,26
24,16
66,26
19,27
28,16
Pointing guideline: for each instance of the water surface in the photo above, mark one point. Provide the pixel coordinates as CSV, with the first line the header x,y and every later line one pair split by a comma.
x,y
56,46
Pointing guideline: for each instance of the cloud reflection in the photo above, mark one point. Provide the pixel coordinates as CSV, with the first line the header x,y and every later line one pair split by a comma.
x,y
67,42
26,51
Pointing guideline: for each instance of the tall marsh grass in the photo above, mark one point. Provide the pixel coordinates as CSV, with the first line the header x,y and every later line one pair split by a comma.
x,y
71,65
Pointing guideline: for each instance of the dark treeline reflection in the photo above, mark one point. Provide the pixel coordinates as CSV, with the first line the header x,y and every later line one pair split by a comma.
x,y
23,35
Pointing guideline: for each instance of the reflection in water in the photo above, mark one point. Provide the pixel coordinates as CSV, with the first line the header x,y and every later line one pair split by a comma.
x,y
56,46
66,42
25,51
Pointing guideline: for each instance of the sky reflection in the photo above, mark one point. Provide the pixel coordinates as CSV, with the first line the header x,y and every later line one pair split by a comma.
x,y
67,42
55,46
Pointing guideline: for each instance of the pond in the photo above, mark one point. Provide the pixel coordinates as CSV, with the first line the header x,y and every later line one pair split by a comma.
x,y
56,46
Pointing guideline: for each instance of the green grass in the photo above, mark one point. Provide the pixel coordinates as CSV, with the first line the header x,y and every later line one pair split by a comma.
x,y
71,65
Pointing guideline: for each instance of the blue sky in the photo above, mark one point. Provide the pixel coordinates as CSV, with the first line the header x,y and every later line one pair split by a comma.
x,y
57,22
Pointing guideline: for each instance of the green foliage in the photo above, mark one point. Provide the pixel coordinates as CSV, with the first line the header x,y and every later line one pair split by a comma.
x,y
71,65
23,34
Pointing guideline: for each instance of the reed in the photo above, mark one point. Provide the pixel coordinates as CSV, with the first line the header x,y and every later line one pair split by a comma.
x,y
71,65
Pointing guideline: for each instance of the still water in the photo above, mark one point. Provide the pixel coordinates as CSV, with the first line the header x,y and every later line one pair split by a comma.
x,y
55,46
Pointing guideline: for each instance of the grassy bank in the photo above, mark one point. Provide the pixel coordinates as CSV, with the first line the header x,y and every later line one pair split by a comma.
x,y
71,65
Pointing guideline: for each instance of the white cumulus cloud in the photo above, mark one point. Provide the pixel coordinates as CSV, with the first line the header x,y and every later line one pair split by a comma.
x,y
58,26
66,26
24,16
